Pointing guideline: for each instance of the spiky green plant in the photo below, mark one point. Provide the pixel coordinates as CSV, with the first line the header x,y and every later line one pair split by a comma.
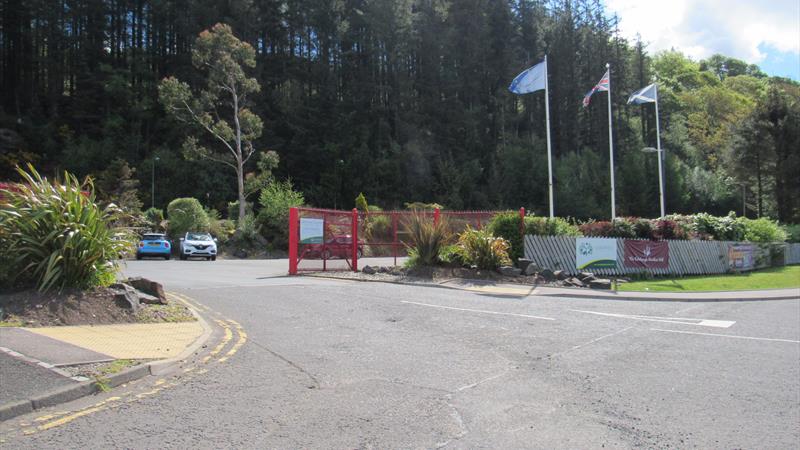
x,y
56,236
482,249
426,238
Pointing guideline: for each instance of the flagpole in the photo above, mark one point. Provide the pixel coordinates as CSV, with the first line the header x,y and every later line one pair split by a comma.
x,y
611,146
660,157
549,150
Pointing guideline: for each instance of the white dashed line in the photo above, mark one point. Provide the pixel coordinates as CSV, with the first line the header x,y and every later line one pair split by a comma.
x,y
483,311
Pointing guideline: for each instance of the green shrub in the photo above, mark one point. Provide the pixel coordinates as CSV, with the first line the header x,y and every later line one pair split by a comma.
x,y
361,203
507,226
54,235
233,210
792,232
426,238
154,218
222,229
642,228
726,228
482,249
545,226
186,214
420,206
276,199
451,255
762,230
622,228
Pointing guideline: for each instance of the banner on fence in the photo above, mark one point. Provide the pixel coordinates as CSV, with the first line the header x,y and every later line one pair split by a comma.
x,y
595,253
741,256
646,254
311,230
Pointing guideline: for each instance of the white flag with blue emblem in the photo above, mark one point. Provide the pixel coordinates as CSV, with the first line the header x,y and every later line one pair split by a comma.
x,y
531,80
646,94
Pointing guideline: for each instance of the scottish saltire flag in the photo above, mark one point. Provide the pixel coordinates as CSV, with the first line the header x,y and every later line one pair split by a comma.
x,y
601,86
646,94
530,80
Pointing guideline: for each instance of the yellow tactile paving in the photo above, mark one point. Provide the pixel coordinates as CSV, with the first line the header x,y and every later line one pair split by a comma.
x,y
129,341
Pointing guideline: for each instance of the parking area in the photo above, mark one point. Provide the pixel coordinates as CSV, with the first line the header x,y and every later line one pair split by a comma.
x,y
333,364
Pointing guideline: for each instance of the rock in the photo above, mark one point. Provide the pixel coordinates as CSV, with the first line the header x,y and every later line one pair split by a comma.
x,y
547,274
584,275
531,269
240,253
396,271
523,264
561,275
574,282
508,271
126,296
149,287
600,283
149,299
369,270
383,269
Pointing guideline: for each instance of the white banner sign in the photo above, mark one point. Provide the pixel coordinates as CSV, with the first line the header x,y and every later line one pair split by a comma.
x,y
311,231
595,253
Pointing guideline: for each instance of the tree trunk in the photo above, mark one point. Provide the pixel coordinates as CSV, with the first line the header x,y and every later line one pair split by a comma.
x,y
240,180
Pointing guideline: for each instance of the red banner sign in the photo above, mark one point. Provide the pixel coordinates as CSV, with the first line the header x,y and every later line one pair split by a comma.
x,y
646,254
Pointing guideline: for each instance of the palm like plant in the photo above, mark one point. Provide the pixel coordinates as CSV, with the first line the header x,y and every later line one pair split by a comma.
x,y
56,236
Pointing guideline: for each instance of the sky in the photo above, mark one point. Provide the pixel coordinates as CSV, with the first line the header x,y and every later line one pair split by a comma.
x,y
762,32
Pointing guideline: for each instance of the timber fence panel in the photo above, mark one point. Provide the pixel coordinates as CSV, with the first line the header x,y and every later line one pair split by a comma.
x,y
685,257
792,254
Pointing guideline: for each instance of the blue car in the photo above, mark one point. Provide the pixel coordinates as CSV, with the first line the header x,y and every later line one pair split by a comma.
x,y
154,244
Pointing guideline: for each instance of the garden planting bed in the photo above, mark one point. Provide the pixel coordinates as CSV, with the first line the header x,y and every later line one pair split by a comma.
x,y
97,306
438,275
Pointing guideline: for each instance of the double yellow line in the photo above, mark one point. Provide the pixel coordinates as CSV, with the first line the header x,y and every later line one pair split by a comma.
x,y
229,327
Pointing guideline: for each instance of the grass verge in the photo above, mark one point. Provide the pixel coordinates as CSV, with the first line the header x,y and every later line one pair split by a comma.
x,y
774,278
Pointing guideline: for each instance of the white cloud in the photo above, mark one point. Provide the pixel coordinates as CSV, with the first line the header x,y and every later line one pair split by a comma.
x,y
700,28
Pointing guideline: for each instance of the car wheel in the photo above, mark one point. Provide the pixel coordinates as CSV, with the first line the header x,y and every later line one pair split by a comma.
x,y
326,254
167,257
213,258
138,256
360,253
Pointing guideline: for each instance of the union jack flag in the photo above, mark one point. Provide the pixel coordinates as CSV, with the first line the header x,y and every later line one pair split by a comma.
x,y
601,86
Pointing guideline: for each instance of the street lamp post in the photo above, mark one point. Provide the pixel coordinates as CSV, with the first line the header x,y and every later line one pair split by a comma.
x,y
660,153
153,183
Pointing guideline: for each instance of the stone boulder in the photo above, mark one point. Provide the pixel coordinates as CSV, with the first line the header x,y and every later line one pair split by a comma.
x,y
125,296
600,283
583,276
523,264
573,281
369,270
154,290
561,275
240,253
508,271
548,275
532,269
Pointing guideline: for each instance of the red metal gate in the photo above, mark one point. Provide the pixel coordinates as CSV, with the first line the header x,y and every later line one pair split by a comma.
x,y
331,240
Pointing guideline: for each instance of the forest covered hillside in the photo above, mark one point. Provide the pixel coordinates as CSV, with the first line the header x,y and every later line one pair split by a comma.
x,y
404,100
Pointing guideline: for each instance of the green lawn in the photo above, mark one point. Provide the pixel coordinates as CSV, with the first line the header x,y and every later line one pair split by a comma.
x,y
775,278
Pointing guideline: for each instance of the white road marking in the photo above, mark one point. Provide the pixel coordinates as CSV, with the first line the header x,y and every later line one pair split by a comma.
x,y
478,311
728,336
601,338
679,320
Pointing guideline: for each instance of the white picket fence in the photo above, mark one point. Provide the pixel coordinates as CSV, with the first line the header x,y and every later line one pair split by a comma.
x,y
685,257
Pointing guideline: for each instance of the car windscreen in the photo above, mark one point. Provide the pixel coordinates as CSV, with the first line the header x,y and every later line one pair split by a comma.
x,y
153,237
198,237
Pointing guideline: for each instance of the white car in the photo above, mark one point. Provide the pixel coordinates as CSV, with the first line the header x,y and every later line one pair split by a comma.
x,y
198,245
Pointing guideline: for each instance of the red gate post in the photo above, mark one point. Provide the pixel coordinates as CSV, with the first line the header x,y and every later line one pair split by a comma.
x,y
436,217
354,235
294,221
522,223
394,236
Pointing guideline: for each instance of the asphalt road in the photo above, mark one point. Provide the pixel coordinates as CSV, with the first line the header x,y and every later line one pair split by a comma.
x,y
339,364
